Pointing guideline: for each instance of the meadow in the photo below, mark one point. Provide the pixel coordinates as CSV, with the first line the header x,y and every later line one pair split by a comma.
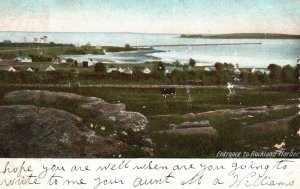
x,y
161,112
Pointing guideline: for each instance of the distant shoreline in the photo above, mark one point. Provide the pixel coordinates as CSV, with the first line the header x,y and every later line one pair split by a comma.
x,y
200,44
242,36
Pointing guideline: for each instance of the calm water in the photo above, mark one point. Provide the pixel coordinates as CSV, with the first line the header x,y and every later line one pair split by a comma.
x,y
277,51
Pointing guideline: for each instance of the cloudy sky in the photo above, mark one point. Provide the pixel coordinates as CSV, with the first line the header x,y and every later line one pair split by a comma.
x,y
151,16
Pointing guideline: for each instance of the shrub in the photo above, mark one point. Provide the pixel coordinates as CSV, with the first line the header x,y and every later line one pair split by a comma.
x,y
192,62
100,67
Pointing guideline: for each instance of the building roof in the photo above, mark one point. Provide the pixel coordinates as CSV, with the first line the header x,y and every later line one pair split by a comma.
x,y
236,71
23,58
210,69
127,70
109,70
146,70
50,68
170,69
11,69
30,70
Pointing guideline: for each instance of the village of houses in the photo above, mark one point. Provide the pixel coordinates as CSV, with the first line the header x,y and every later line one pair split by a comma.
x,y
25,63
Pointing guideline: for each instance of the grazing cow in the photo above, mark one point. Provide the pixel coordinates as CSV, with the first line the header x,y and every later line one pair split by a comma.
x,y
168,91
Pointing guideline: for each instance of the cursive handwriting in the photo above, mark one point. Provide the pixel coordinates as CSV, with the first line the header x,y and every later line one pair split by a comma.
x,y
150,181
149,173
254,179
112,166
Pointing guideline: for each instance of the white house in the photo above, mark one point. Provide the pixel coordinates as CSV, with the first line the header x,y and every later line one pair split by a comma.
x,y
190,68
237,71
170,69
109,70
210,69
11,69
128,71
253,70
49,69
146,71
41,39
30,70
59,60
121,70
23,59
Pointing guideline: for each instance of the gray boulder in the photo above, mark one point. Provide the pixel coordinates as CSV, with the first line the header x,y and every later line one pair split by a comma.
x,y
30,131
269,126
97,107
204,123
192,131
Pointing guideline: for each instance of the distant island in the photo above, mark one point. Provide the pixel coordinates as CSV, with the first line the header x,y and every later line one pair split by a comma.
x,y
242,36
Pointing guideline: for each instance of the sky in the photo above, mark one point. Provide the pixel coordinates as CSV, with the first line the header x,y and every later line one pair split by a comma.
x,y
151,16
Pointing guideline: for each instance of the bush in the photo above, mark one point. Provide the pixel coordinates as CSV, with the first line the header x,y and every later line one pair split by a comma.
x,y
287,74
160,66
293,138
100,67
275,72
192,62
36,58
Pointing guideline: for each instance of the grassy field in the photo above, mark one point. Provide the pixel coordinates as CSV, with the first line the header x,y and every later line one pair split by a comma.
x,y
231,137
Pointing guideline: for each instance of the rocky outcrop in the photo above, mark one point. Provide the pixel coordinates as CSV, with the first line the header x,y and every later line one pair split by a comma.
x,y
283,107
30,131
192,131
47,96
242,111
208,114
132,121
188,124
269,126
191,128
115,113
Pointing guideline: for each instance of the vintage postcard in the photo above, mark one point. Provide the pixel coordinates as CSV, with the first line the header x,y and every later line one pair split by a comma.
x,y
150,79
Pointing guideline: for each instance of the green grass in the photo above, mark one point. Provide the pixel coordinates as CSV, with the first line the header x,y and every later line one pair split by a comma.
x,y
231,135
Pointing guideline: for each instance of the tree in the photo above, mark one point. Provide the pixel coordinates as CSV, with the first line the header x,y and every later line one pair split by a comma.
x,y
287,74
6,41
100,67
176,63
192,62
297,72
275,72
228,65
160,66
127,46
69,60
219,66
253,78
244,77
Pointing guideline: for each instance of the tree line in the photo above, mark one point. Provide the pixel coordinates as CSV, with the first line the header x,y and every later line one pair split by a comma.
x,y
221,75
